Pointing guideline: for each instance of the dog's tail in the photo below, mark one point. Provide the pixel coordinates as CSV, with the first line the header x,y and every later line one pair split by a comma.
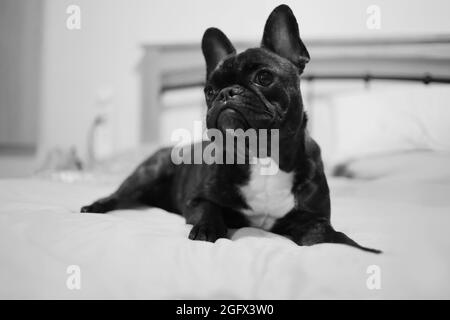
x,y
339,237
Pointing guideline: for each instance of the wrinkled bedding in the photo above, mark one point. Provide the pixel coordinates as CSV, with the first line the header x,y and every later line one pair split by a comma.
x,y
145,254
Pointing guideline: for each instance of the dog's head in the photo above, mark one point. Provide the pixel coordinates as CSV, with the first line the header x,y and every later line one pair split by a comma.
x,y
260,87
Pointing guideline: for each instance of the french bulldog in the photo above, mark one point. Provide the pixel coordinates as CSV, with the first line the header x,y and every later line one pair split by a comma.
x,y
256,89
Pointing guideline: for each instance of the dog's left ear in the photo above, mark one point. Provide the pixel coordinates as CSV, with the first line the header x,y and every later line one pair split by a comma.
x,y
281,36
215,47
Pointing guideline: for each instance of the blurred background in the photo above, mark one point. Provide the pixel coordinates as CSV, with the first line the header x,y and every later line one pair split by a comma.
x,y
76,91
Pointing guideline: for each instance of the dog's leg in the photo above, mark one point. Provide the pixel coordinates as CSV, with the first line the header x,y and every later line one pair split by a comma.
x,y
102,205
323,232
207,220
309,223
149,180
307,233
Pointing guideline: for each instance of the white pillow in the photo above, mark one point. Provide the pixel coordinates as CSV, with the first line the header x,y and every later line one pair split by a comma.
x,y
390,117
431,166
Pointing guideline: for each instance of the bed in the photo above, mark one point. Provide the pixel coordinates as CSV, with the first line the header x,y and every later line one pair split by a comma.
x,y
395,200
145,253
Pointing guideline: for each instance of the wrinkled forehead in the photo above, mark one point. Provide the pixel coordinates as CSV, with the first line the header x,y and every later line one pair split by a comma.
x,y
249,61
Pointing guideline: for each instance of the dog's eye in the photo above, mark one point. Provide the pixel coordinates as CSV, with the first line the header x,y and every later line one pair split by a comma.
x,y
209,92
264,78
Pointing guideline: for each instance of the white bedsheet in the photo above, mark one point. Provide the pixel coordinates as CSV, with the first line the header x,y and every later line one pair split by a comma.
x,y
145,254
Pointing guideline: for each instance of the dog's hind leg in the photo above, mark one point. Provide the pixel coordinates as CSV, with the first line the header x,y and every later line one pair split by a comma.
x,y
314,231
340,237
148,183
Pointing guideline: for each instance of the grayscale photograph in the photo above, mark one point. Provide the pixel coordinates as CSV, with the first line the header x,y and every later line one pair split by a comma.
x,y
209,150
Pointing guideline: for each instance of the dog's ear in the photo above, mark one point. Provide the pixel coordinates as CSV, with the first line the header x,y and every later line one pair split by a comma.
x,y
215,47
281,36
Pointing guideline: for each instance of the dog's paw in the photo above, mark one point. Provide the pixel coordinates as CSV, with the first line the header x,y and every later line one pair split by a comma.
x,y
207,232
97,207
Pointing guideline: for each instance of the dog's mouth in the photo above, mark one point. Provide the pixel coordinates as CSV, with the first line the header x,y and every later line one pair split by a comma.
x,y
231,119
239,136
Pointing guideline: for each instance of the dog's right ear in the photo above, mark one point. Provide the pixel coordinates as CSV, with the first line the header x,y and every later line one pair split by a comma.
x,y
215,47
281,36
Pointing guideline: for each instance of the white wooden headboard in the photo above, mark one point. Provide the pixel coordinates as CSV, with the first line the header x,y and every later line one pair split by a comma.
x,y
171,67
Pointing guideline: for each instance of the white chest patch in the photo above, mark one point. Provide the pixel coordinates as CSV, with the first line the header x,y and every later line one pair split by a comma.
x,y
268,196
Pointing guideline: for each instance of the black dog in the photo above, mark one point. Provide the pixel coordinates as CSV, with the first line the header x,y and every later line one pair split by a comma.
x,y
256,89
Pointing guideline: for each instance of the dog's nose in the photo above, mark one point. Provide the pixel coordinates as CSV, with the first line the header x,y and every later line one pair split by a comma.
x,y
228,93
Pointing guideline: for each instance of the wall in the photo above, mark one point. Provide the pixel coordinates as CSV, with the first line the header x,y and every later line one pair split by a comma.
x,y
20,40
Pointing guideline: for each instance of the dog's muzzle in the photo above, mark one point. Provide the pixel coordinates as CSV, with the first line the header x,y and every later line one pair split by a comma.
x,y
231,119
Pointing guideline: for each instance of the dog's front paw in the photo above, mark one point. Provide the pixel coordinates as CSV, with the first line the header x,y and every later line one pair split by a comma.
x,y
98,207
207,232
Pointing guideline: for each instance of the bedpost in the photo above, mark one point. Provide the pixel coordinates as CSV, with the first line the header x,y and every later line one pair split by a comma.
x,y
150,95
